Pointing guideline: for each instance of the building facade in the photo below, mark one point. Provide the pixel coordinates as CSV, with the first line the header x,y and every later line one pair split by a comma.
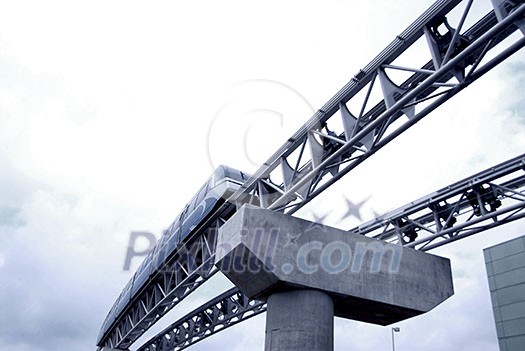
x,y
505,264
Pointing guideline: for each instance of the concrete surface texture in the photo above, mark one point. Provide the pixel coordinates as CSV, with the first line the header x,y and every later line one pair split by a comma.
x,y
263,252
299,320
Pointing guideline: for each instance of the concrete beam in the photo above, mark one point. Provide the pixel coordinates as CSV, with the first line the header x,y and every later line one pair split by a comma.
x,y
263,252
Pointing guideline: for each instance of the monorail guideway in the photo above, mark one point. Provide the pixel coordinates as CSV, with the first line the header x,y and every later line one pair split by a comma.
x,y
319,154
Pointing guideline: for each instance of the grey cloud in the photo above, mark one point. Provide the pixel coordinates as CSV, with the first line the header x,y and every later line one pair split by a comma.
x,y
44,307
62,268
9,216
55,286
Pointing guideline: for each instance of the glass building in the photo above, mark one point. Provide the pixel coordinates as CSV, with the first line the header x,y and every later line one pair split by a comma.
x,y
505,264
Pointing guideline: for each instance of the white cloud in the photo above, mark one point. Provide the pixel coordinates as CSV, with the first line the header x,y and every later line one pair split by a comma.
x,y
105,114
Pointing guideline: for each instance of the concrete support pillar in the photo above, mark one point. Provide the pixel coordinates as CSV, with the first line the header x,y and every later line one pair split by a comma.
x,y
309,273
299,320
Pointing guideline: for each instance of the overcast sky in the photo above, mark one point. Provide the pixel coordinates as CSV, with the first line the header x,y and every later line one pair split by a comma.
x,y
113,113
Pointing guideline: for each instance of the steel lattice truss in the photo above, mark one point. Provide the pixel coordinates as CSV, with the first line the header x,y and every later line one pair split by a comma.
x,y
457,211
339,137
485,200
191,266
222,312
335,140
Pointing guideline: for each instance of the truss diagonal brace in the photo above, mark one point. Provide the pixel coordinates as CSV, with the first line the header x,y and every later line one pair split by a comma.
x,y
224,311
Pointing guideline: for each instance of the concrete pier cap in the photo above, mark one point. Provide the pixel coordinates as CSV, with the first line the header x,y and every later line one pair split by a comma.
x,y
263,252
